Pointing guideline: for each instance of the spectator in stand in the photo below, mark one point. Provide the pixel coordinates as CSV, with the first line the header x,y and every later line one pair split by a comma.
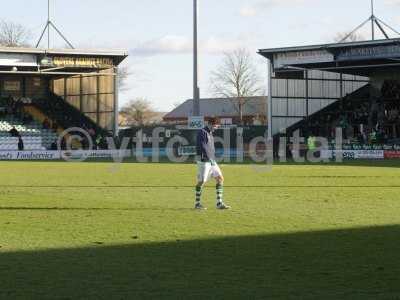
x,y
84,142
46,124
344,125
63,144
276,141
311,142
91,132
20,144
98,142
54,145
364,137
373,137
26,118
359,138
381,136
393,114
14,132
381,115
391,89
54,126
103,143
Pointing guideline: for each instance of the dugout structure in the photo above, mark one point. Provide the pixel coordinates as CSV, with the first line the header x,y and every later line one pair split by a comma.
x,y
304,80
85,80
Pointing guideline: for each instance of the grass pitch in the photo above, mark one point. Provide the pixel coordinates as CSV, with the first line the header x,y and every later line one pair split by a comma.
x,y
100,231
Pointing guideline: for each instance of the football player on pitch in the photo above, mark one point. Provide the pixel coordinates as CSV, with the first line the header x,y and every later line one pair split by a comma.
x,y
207,166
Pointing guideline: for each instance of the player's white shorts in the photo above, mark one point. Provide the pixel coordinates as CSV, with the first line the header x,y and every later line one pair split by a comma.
x,y
205,171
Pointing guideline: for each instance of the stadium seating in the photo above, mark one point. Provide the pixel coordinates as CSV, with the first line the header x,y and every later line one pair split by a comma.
x,y
350,111
66,115
363,119
32,134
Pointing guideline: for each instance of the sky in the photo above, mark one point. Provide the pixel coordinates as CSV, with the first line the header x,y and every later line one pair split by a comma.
x,y
158,34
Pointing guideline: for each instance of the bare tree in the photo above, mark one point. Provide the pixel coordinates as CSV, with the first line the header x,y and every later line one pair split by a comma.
x,y
137,112
123,74
14,35
354,37
237,78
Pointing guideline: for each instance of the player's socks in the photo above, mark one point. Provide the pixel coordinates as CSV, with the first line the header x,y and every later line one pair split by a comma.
x,y
220,193
198,194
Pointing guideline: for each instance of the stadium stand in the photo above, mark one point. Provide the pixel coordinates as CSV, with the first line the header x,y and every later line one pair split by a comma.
x,y
34,137
16,122
351,114
65,114
353,86
363,121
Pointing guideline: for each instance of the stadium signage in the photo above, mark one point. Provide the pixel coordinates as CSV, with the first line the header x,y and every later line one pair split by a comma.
x,y
12,85
353,154
369,154
370,147
95,153
82,62
302,57
56,155
187,150
392,154
195,123
370,52
18,60
29,155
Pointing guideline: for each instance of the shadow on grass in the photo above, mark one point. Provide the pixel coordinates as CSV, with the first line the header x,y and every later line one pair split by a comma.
x,y
10,208
386,163
270,186
381,163
342,264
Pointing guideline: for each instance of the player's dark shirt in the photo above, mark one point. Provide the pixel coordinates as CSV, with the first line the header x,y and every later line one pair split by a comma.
x,y
205,145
